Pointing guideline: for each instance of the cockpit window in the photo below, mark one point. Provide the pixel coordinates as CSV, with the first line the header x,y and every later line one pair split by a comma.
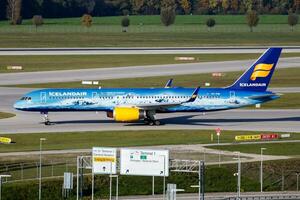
x,y
25,98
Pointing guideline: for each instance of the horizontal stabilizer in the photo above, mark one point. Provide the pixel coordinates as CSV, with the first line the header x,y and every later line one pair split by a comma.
x,y
258,97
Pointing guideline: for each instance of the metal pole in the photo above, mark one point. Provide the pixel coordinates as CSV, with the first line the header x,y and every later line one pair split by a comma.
x,y
199,181
218,139
93,184
117,188
261,169
110,181
52,170
239,177
282,186
164,192
219,158
22,173
0,187
40,172
297,174
77,192
153,186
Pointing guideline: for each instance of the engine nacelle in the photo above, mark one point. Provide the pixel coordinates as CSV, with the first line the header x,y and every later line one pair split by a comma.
x,y
126,114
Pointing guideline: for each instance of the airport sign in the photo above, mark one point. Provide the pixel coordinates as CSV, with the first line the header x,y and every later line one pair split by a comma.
x,y
144,162
104,160
5,140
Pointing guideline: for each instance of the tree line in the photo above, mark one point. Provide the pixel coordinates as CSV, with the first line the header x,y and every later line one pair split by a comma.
x,y
16,10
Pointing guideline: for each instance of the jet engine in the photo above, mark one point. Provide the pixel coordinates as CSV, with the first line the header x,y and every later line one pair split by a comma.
x,y
127,114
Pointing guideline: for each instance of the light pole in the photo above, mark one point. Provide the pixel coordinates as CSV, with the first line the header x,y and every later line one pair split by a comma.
x,y
261,168
238,174
164,181
297,174
40,171
2,176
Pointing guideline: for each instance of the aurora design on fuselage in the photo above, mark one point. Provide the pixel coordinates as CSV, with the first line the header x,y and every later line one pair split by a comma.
x,y
132,104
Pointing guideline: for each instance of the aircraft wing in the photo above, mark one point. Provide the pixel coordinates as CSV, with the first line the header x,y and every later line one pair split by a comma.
x,y
161,106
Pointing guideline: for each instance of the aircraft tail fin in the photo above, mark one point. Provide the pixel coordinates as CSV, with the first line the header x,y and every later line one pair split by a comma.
x,y
258,76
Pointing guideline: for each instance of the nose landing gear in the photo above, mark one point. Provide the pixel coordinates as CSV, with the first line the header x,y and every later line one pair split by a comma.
x,y
46,118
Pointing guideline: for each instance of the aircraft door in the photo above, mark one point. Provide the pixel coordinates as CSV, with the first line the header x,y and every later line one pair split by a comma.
x,y
43,97
94,95
232,95
232,98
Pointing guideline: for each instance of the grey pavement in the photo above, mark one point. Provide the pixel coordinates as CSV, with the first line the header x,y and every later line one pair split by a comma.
x,y
248,120
141,50
136,71
225,195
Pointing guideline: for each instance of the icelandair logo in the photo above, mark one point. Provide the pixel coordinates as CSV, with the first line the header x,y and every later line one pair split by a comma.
x,y
253,85
60,94
261,70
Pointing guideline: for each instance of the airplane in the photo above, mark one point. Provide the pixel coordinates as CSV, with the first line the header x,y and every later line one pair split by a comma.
x,y
134,104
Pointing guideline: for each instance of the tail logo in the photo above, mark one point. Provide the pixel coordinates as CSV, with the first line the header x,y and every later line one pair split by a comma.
x,y
261,70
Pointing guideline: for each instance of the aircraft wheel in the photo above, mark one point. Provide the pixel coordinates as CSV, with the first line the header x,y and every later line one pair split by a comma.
x,y
151,123
146,121
157,123
47,123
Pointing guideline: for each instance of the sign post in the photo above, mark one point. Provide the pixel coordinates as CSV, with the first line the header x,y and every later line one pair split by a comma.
x,y
145,162
218,131
104,162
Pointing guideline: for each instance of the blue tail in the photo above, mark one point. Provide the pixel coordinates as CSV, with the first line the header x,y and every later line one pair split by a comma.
x,y
258,76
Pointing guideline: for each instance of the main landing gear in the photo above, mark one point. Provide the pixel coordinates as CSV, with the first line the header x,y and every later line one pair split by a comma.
x,y
150,119
46,118
151,122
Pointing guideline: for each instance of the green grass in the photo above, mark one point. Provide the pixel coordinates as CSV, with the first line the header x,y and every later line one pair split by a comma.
x,y
4,115
86,140
158,38
188,30
291,149
286,101
68,62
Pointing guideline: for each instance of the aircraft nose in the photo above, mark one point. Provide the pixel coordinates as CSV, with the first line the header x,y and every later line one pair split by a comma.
x,y
17,105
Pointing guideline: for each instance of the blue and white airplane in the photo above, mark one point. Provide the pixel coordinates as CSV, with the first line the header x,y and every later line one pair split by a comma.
x,y
133,104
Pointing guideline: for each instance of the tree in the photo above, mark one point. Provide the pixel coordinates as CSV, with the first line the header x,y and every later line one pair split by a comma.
x,y
186,6
14,11
252,19
225,5
137,6
86,20
37,20
89,5
125,23
167,12
235,5
292,20
210,22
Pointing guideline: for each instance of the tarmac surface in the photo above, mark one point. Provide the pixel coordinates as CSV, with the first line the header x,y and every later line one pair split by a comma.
x,y
252,120
140,50
226,196
136,71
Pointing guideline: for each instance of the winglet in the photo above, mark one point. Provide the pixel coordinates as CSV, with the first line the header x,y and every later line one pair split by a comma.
x,y
169,83
194,95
